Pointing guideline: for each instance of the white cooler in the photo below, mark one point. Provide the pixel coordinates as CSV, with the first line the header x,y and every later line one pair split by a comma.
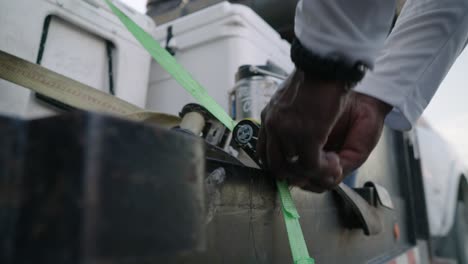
x,y
76,44
212,44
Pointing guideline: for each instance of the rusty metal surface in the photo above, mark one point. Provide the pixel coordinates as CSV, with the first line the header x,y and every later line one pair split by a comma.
x,y
95,189
245,225
87,188
11,144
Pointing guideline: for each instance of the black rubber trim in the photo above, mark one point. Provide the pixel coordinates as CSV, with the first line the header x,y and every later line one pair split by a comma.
x,y
42,98
110,64
57,104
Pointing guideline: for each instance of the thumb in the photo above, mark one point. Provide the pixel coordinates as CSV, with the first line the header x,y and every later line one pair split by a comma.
x,y
361,139
366,121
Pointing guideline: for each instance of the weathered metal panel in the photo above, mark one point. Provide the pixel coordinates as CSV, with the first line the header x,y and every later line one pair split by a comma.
x,y
98,189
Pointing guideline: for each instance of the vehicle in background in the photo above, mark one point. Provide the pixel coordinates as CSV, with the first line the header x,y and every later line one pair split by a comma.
x,y
445,181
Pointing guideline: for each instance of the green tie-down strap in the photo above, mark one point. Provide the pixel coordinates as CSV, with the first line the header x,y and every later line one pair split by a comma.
x,y
183,77
168,62
297,243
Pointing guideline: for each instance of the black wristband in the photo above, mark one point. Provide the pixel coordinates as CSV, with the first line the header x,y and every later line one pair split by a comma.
x,y
330,68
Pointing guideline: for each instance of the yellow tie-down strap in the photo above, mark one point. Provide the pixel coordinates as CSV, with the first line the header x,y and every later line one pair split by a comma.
x,y
167,61
73,93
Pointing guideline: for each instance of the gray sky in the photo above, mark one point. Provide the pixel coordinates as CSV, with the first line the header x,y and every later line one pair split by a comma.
x,y
139,5
448,110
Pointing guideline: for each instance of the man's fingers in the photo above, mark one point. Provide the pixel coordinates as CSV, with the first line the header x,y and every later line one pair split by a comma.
x,y
263,153
330,170
296,124
319,180
332,167
289,145
319,167
275,159
351,160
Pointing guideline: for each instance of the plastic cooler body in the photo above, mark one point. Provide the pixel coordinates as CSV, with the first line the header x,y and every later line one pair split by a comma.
x,y
211,44
75,38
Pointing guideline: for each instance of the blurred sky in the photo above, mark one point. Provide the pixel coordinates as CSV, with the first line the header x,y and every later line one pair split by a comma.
x,y
448,111
139,5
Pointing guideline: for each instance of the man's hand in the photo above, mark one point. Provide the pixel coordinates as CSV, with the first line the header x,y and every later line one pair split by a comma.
x,y
357,131
314,132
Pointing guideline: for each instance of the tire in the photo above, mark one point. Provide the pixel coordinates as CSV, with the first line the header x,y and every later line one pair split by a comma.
x,y
460,228
454,246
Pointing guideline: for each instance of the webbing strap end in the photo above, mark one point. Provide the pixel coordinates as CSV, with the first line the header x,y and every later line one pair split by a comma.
x,y
305,261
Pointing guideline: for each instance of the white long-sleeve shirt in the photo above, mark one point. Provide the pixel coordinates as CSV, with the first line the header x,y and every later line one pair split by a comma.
x,y
409,65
